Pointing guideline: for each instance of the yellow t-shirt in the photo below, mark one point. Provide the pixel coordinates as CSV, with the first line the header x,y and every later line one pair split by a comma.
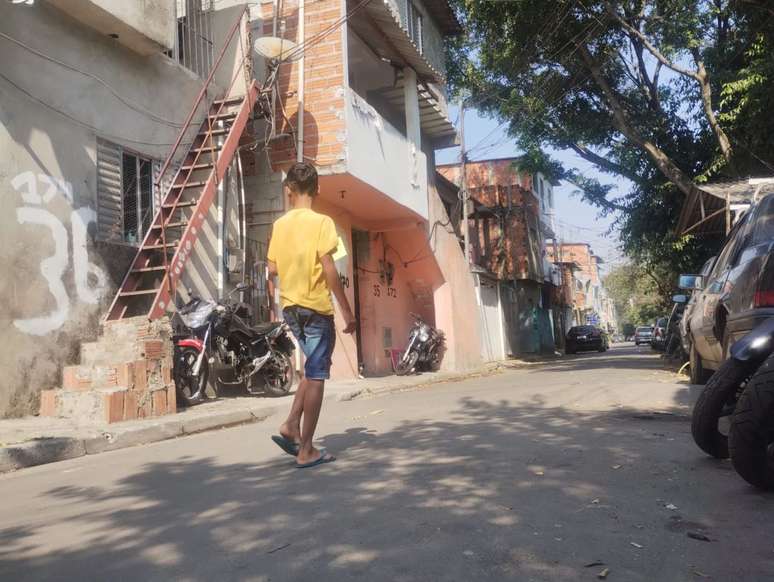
x,y
298,240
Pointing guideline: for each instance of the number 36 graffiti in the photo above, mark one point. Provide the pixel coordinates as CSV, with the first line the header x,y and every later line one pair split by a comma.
x,y
90,281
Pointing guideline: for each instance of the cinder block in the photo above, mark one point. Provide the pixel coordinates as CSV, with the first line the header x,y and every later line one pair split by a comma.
x,y
48,403
130,405
159,402
113,405
125,375
76,378
153,349
171,399
141,375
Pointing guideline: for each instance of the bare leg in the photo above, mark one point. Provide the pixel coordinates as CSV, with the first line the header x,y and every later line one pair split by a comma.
x,y
291,428
313,397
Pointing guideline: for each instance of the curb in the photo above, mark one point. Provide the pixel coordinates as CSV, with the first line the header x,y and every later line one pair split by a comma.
x,y
50,450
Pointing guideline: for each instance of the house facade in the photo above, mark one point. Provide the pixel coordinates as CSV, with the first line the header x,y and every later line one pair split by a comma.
x,y
512,215
94,115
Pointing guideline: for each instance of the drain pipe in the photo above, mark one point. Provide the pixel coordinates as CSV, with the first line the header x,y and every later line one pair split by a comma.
x,y
242,216
222,226
301,61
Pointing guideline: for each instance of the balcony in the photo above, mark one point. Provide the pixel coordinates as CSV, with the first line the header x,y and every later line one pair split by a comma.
x,y
382,157
143,27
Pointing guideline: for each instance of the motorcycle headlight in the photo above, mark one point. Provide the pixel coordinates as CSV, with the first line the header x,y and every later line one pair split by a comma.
x,y
424,333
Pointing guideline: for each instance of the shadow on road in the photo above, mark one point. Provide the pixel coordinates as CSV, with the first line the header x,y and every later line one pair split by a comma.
x,y
492,492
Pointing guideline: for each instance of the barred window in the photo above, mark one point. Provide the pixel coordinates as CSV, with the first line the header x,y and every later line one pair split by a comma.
x,y
126,197
415,26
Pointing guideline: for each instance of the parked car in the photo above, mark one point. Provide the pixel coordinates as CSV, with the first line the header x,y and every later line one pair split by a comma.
x,y
658,340
738,292
586,338
643,335
685,337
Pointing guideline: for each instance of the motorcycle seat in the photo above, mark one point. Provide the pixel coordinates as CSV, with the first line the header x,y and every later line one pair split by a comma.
x,y
264,328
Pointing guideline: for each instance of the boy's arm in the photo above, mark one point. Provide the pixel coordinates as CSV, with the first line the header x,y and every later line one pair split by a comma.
x,y
334,284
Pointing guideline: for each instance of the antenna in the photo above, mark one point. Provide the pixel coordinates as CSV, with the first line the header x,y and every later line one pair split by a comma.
x,y
274,48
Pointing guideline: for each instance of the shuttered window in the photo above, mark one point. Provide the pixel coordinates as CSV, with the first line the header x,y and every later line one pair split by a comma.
x,y
126,197
415,26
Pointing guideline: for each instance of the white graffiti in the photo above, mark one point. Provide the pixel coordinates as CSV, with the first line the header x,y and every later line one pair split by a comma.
x,y
40,189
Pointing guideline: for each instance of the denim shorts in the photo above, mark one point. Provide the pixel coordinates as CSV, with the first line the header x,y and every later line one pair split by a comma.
x,y
316,335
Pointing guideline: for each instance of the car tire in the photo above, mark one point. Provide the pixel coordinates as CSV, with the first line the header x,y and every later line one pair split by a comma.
x,y
698,374
708,410
750,438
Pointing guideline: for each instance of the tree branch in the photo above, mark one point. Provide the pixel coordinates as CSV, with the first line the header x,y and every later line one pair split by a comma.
x,y
648,45
706,99
604,163
662,161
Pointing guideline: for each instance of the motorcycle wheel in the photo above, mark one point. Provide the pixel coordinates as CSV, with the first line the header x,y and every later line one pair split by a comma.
x,y
406,365
751,439
278,374
190,390
716,402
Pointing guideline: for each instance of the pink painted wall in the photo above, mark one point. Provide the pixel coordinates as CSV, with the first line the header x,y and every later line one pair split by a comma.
x,y
456,308
384,306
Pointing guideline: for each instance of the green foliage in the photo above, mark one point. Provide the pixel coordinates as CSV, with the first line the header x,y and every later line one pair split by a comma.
x,y
524,65
638,294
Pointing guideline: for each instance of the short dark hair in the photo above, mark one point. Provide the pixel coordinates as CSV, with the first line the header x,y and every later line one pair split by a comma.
x,y
302,179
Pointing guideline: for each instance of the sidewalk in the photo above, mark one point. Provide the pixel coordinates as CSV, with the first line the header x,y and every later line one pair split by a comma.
x,y
33,440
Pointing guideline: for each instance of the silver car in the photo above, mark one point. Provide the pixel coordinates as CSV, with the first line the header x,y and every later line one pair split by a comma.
x,y
643,335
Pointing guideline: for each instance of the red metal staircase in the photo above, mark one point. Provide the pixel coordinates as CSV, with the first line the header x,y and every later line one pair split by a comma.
x,y
149,286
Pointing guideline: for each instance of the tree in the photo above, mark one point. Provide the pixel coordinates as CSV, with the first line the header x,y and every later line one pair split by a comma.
x,y
667,94
640,296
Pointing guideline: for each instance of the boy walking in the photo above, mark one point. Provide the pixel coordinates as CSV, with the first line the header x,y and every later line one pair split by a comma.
x,y
300,252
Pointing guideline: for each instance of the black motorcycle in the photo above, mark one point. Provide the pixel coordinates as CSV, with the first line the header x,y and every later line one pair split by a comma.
x,y
424,349
213,338
741,394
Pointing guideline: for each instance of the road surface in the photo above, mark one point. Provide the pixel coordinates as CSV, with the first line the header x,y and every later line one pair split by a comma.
x,y
553,472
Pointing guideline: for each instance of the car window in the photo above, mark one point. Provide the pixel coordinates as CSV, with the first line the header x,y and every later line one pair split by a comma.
x,y
729,250
643,329
763,228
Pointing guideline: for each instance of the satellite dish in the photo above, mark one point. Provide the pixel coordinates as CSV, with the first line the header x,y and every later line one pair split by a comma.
x,y
275,48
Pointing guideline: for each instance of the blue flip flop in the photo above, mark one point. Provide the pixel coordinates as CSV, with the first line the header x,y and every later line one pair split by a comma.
x,y
324,458
286,445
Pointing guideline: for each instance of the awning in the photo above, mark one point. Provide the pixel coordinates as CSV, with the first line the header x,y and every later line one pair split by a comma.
x,y
432,118
385,27
710,212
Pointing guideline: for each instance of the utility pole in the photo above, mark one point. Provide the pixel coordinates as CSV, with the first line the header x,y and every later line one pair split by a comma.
x,y
464,183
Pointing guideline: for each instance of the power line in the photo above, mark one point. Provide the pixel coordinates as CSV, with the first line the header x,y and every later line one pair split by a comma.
x,y
116,94
76,120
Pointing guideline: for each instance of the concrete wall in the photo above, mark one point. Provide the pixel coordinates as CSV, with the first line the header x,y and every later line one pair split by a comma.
x,y
62,278
380,155
146,27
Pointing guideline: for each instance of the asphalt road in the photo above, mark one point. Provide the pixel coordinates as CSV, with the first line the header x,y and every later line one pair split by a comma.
x,y
532,474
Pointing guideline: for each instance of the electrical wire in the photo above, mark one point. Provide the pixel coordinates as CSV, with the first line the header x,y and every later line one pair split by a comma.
x,y
116,94
76,120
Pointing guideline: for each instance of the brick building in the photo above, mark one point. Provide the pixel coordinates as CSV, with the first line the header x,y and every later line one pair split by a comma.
x,y
97,137
510,220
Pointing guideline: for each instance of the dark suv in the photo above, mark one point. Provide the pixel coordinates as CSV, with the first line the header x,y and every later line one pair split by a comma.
x,y
738,292
586,337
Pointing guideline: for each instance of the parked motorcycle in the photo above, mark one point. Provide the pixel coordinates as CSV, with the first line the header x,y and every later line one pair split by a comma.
x,y
213,337
724,393
424,348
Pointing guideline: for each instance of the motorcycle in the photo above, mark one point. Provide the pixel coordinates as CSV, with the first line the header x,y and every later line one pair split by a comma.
x,y
216,336
729,395
424,348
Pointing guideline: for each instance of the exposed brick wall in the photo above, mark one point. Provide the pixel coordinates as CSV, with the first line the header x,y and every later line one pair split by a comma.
x,y
125,375
325,80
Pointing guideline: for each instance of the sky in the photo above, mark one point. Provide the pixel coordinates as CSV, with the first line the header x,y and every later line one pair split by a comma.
x,y
577,221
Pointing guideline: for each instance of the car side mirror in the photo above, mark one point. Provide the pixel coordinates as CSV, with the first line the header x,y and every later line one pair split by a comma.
x,y
690,282
680,298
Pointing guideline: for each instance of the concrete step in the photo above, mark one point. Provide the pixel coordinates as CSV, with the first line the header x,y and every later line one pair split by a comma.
x,y
83,378
109,405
